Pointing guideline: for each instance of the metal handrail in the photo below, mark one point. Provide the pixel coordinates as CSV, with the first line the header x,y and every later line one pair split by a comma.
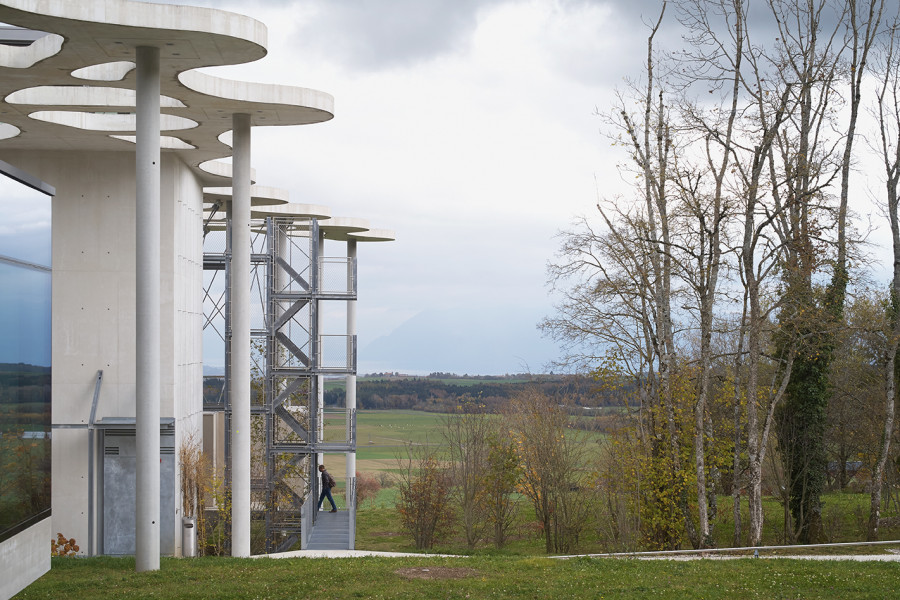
x,y
340,360
344,282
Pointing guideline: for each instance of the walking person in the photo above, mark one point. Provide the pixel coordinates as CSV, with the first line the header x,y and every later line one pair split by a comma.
x,y
327,483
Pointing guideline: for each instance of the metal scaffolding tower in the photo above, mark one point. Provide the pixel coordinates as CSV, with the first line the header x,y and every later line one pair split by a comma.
x,y
291,282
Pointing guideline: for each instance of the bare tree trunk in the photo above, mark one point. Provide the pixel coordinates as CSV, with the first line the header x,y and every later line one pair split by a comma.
x,y
737,484
889,120
652,152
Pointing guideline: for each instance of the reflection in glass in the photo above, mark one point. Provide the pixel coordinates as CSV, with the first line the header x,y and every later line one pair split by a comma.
x,y
25,225
24,357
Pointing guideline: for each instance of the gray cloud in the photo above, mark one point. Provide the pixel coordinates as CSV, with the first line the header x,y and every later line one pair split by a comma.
x,y
368,34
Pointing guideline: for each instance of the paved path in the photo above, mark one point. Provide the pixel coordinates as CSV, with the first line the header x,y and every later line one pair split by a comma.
x,y
356,553
343,554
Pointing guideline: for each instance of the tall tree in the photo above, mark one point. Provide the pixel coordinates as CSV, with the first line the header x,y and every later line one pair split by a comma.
x,y
888,113
803,167
652,149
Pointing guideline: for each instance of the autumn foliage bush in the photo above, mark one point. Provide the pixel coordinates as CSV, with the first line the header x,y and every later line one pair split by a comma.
x,y
424,502
367,487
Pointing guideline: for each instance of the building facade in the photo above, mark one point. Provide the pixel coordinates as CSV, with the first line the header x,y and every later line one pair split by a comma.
x,y
103,106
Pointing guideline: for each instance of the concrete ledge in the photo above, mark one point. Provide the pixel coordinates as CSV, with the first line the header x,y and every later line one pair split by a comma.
x,y
29,552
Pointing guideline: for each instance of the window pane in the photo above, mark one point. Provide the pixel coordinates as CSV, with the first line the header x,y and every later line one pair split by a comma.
x,y
24,355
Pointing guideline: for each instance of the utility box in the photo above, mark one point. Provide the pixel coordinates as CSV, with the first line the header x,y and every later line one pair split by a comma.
x,y
118,485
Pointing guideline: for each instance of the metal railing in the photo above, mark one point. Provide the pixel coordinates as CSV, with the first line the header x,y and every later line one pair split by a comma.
x,y
337,353
337,276
338,428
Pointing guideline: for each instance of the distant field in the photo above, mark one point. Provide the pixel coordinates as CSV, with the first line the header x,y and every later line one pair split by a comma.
x,y
396,427
383,435
390,430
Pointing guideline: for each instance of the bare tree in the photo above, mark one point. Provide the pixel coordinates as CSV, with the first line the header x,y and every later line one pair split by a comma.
x,y
804,163
466,438
552,457
759,254
888,112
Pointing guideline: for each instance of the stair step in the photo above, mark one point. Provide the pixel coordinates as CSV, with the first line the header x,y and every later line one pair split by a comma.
x,y
330,532
330,536
344,546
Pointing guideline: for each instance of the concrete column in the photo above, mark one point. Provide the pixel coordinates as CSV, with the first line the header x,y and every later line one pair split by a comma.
x,y
320,321
350,382
147,311
240,338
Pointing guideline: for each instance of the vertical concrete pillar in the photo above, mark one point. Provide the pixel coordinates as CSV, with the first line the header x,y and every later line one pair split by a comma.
x,y
240,337
320,321
350,382
147,311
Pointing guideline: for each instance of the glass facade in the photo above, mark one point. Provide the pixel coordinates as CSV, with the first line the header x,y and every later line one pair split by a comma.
x,y
24,356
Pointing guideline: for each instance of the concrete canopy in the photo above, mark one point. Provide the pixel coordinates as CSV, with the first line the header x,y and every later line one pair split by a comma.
x,y
338,228
74,88
260,195
300,211
373,235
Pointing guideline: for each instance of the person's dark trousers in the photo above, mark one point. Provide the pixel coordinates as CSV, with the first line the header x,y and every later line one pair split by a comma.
x,y
326,493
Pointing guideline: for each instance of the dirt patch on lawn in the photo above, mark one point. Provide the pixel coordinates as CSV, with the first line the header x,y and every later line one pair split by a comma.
x,y
436,572
386,534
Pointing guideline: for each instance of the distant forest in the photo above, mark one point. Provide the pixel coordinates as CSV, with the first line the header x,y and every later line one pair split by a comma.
x,y
443,393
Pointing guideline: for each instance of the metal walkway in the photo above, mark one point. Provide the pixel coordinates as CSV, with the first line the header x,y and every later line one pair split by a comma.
x,y
331,532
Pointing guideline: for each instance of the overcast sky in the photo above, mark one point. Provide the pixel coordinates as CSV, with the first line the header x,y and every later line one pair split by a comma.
x,y
469,128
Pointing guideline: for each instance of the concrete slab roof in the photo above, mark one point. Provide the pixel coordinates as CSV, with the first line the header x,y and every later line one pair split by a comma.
x,y
338,228
373,235
300,211
260,195
73,89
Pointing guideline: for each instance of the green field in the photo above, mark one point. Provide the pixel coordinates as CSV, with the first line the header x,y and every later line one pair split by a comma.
x,y
378,525
382,436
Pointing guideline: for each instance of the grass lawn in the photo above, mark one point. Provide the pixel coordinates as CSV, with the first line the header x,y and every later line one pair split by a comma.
x,y
464,577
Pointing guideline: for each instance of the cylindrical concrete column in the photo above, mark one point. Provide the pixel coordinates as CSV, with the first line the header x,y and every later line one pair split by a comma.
x,y
240,337
147,311
350,384
320,321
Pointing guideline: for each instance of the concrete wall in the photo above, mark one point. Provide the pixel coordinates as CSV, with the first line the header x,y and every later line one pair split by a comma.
x,y
94,310
182,293
29,551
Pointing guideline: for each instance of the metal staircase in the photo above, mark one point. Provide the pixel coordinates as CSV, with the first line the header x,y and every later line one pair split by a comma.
x,y
331,531
291,356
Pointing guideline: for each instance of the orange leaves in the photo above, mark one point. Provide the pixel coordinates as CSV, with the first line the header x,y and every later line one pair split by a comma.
x,y
62,546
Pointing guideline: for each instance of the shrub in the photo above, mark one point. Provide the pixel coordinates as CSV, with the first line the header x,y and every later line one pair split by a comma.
x,y
367,487
424,502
